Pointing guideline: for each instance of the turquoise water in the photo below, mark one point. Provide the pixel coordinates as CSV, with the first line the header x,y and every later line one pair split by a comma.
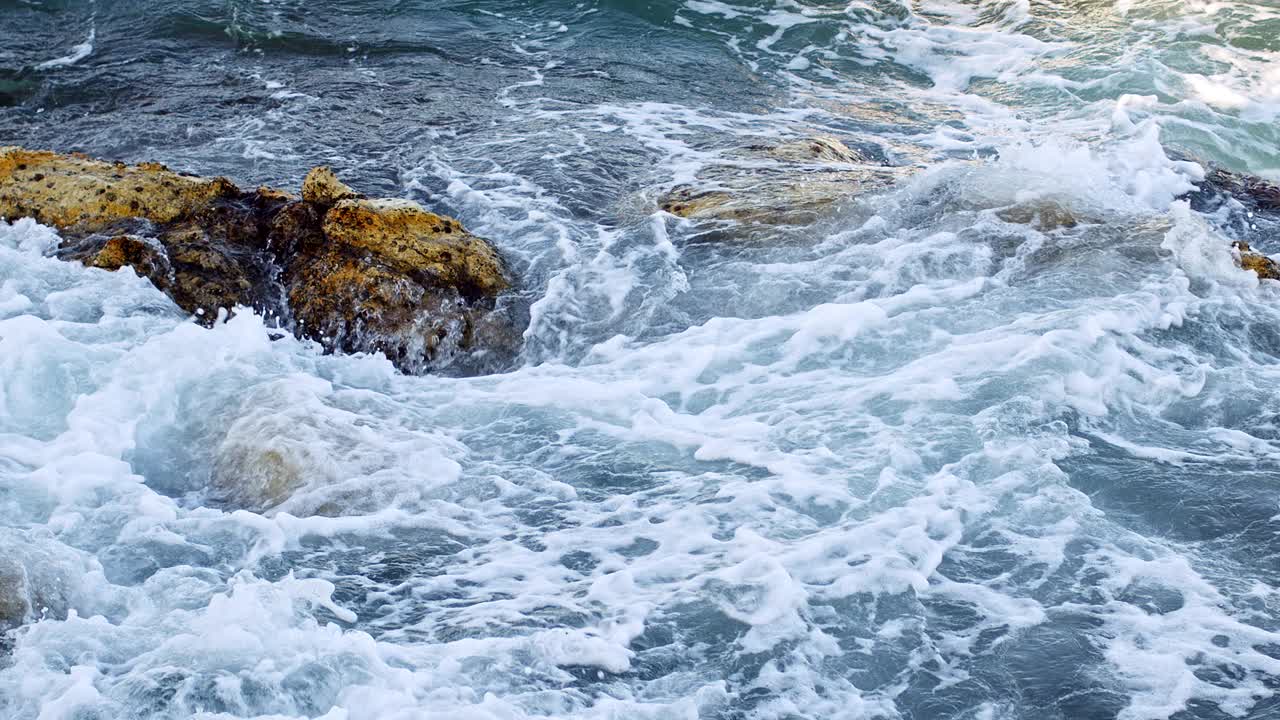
x,y
911,460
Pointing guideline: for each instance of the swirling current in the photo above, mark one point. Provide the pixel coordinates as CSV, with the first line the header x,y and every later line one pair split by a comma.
x,y
914,457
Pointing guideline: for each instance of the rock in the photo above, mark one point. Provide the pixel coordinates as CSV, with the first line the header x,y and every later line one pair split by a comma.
x,y
1244,207
261,475
387,275
351,304
820,148
145,255
1043,216
1255,194
356,274
38,578
74,191
270,194
287,450
1265,267
209,277
15,595
321,187
779,200
202,271
403,235
792,183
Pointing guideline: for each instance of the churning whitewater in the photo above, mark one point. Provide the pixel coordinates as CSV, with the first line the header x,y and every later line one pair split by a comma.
x,y
969,413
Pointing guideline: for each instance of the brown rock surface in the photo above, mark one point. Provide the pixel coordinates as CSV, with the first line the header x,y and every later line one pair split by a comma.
x,y
1265,267
322,187
405,236
146,256
72,190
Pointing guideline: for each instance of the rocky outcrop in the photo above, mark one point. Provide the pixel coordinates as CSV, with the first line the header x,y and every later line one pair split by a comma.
x,y
353,273
792,183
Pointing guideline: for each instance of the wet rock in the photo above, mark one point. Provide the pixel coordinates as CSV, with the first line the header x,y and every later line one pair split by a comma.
x,y
209,277
1043,216
352,304
260,471
790,184
36,580
819,148
75,191
270,194
15,596
321,187
388,276
1220,186
1265,267
145,255
1244,207
204,265
401,234
356,274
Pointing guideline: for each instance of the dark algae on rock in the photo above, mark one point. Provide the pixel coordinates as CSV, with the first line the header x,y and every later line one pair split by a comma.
x,y
355,274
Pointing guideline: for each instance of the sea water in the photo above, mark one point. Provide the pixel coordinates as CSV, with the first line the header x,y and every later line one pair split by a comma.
x,y
913,460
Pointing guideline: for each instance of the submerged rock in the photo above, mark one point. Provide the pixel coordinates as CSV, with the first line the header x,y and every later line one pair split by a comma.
x,y
15,596
819,148
1043,216
794,183
356,274
260,471
36,580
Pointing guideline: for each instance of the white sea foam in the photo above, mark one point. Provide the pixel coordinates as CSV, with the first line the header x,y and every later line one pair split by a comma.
x,y
78,53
